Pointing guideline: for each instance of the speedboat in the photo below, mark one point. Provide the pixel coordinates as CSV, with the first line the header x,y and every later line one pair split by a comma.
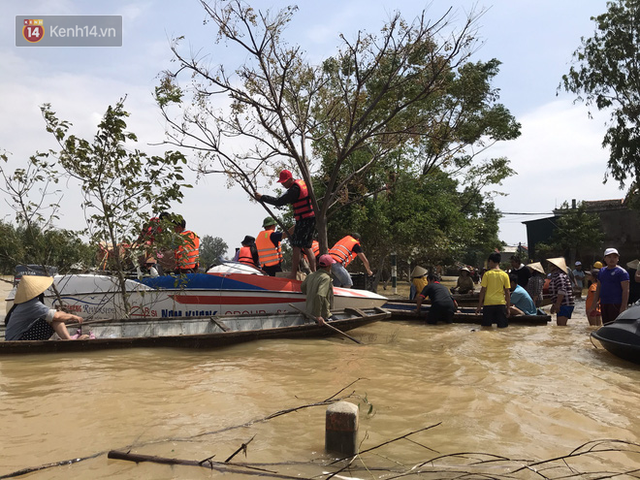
x,y
229,289
622,336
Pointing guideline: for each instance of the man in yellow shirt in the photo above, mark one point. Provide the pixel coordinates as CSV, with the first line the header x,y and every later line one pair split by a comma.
x,y
495,296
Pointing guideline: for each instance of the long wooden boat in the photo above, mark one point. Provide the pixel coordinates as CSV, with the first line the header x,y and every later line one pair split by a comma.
x,y
471,299
404,310
198,332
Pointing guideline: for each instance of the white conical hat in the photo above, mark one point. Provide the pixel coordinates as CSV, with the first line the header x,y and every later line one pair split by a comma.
x,y
30,287
633,264
537,266
559,262
418,271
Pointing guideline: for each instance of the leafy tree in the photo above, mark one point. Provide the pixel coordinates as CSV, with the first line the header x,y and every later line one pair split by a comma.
x,y
335,123
60,248
425,219
607,74
28,190
120,185
212,249
577,231
11,248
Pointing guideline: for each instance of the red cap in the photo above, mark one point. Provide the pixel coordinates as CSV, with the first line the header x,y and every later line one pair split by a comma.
x,y
326,260
284,176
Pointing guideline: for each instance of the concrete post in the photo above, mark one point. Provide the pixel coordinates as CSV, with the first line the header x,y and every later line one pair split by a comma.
x,y
341,432
394,272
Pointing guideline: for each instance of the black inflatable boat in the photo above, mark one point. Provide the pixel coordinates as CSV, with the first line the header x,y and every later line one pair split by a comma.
x,y
622,336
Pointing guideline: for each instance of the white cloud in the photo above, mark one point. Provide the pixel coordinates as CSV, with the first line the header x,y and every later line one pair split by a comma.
x,y
558,158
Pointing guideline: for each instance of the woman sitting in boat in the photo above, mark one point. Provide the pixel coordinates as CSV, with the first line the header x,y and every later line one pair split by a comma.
x,y
30,318
465,282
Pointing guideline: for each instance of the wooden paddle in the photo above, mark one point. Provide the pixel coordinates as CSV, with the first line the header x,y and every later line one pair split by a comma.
x,y
326,324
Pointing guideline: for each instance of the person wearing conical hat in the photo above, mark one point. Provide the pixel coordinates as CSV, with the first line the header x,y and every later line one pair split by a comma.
x,y
418,281
561,290
465,282
30,318
535,285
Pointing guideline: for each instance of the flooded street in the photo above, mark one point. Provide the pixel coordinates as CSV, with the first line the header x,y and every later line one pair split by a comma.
x,y
522,392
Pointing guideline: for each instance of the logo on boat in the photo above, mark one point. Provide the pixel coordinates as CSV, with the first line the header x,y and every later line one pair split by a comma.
x,y
166,313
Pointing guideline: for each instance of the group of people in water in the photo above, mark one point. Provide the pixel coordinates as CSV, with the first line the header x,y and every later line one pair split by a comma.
x,y
520,290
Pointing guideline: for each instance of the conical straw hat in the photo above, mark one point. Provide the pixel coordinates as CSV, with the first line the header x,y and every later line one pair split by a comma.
x,y
418,271
633,264
559,262
30,287
537,266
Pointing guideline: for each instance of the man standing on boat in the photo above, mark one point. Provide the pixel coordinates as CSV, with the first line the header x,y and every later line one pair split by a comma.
x,y
297,195
268,244
343,252
319,290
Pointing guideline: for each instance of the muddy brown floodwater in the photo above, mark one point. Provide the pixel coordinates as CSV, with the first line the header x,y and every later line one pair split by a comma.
x,y
522,392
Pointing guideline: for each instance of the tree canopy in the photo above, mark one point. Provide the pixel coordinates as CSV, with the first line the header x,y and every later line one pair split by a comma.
x,y
408,92
606,74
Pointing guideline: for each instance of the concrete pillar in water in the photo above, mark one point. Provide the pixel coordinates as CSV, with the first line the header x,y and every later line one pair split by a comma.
x,y
341,432
394,272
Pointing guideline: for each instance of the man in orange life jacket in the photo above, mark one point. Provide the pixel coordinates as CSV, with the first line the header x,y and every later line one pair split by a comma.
x,y
297,194
343,252
248,253
268,244
187,255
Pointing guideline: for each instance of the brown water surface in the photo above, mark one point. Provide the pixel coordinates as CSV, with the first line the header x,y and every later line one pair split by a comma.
x,y
525,392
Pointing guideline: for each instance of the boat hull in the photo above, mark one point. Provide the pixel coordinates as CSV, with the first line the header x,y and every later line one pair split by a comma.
x,y
197,333
402,310
200,294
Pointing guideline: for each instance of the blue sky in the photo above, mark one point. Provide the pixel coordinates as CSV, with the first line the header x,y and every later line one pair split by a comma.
x,y
558,157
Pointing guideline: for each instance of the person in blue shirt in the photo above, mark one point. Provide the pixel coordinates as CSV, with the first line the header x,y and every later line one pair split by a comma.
x,y
521,302
612,289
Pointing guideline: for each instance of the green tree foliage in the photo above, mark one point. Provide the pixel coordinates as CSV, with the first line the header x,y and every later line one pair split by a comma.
x,y
409,88
31,193
60,248
212,249
120,184
577,232
425,219
606,74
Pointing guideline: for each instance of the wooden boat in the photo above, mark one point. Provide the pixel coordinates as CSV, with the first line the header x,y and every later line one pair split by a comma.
x,y
405,310
198,332
622,336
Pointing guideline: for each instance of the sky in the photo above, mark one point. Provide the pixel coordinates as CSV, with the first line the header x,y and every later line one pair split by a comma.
x,y
557,158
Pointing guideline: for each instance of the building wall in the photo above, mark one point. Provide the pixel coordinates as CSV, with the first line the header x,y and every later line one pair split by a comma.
x,y
621,227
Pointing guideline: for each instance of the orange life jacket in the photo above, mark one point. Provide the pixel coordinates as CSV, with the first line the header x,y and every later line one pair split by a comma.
x,y
244,256
270,254
315,247
342,251
302,208
188,255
